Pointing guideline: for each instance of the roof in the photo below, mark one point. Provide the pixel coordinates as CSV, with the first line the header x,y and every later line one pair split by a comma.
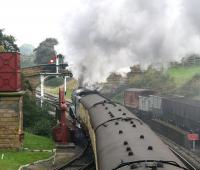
x,y
116,130
90,99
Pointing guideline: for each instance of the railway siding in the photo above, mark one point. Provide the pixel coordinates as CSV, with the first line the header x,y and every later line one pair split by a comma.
x,y
190,156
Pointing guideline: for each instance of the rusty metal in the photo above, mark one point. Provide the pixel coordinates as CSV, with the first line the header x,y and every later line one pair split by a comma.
x,y
61,133
10,76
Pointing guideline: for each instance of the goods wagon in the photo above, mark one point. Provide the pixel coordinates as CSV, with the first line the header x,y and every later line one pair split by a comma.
x,y
131,96
151,103
177,110
182,111
145,103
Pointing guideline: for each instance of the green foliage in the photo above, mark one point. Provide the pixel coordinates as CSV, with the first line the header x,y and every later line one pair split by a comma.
x,y
42,127
180,80
45,51
182,74
36,116
153,79
119,97
54,81
26,85
7,42
191,88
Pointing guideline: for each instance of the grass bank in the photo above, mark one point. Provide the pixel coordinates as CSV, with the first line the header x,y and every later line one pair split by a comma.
x,y
13,159
182,74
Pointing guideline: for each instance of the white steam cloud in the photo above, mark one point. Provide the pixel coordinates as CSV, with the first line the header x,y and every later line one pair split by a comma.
x,y
105,35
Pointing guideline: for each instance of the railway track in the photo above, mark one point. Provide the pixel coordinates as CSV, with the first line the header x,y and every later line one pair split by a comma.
x,y
83,161
186,163
49,98
47,95
187,157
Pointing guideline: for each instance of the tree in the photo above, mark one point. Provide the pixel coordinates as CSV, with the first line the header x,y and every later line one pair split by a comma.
x,y
7,42
135,70
114,78
26,49
45,51
27,55
37,120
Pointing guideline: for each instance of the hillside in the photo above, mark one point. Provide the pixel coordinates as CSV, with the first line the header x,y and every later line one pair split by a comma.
x,y
183,74
184,81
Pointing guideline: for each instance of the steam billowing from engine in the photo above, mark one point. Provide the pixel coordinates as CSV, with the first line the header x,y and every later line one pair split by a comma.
x,y
105,35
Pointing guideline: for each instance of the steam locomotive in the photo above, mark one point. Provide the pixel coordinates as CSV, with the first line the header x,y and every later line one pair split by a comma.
x,y
120,140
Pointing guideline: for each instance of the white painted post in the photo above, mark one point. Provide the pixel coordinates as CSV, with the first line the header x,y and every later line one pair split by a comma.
x,y
193,145
57,64
65,84
41,89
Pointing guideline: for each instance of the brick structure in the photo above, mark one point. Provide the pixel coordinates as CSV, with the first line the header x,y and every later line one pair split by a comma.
x,y
11,120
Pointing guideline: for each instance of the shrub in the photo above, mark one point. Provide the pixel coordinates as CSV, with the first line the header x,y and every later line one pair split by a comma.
x,y
36,119
42,127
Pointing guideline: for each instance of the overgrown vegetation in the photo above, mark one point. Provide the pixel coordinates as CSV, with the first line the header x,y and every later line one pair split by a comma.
x,y
153,79
187,80
45,51
178,79
182,74
37,120
191,88
7,43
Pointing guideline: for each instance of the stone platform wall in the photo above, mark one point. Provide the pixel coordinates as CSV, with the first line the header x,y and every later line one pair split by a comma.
x,y
174,133
11,120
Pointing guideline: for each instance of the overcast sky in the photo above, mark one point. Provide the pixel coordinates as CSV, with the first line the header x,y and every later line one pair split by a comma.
x,y
95,33
31,21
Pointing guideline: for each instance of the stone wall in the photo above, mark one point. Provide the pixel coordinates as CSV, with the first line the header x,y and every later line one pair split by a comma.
x,y
11,120
174,133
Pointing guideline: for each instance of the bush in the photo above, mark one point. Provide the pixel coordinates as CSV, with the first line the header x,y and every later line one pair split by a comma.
x,y
36,119
42,127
